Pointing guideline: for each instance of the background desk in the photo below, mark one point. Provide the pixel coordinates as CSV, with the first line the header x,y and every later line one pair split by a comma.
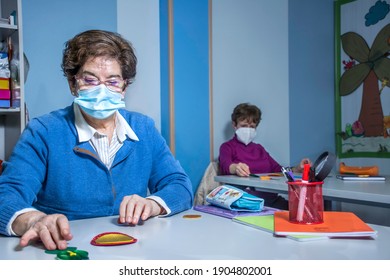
x,y
375,193
210,237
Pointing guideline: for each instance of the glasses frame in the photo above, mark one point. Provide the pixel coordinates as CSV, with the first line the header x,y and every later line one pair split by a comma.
x,y
99,82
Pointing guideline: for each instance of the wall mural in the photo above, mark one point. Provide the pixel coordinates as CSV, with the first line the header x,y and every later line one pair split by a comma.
x,y
362,78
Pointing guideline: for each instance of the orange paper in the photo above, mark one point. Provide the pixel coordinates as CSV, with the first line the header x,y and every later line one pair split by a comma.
x,y
336,224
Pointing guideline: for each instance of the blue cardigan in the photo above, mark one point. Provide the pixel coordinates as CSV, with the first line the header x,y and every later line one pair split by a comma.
x,y
54,173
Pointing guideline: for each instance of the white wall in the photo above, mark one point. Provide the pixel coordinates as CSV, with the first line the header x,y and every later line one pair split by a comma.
x,y
250,64
138,22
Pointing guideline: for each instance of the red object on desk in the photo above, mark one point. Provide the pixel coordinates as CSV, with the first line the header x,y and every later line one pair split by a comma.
x,y
305,174
112,239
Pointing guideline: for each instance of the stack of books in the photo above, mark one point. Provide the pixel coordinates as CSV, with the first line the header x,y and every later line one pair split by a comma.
x,y
335,225
5,93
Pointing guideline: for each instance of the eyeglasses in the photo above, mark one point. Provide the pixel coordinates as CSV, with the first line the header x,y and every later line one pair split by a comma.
x,y
114,84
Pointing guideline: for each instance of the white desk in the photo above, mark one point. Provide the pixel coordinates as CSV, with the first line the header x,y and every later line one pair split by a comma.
x,y
210,237
375,193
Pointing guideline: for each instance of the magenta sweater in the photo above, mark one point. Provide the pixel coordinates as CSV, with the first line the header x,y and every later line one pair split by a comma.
x,y
254,155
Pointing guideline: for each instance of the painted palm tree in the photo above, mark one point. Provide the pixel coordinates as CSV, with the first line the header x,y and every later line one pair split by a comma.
x,y
373,66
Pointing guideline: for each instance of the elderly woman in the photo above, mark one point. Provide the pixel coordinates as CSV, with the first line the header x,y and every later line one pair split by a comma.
x,y
241,156
92,158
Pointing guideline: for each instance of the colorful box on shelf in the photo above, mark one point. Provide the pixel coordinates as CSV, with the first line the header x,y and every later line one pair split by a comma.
x,y
5,94
4,83
5,103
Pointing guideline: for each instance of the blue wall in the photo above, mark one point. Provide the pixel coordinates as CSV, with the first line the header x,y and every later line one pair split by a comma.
x,y
191,84
311,78
164,65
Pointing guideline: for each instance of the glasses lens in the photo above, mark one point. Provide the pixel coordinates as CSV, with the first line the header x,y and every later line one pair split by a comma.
x,y
115,84
87,81
90,81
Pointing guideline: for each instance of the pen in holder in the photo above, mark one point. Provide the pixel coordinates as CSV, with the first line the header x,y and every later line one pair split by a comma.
x,y
305,202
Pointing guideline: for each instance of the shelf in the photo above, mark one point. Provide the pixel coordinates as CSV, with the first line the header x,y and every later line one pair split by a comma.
x,y
13,119
4,111
7,30
8,26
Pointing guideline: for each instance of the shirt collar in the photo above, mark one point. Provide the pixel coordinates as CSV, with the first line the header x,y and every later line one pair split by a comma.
x,y
86,132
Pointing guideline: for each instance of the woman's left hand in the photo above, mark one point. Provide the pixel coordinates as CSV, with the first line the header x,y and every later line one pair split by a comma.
x,y
299,168
134,207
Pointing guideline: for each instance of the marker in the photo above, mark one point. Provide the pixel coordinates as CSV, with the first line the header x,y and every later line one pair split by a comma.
x,y
305,174
302,193
288,174
291,174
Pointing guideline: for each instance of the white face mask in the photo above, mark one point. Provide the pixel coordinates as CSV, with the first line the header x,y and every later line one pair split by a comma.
x,y
246,134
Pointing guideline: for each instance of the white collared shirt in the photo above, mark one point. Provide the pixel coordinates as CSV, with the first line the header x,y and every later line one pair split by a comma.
x,y
99,141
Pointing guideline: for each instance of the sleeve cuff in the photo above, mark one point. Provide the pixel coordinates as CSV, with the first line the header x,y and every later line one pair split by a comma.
x,y
162,204
9,225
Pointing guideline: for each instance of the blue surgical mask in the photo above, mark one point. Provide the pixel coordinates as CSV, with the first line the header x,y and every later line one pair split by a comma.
x,y
99,102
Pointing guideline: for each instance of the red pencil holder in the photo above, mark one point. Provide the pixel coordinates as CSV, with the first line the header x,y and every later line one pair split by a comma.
x,y
305,202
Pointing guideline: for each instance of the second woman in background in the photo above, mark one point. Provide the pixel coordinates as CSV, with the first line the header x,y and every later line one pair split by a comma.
x,y
241,156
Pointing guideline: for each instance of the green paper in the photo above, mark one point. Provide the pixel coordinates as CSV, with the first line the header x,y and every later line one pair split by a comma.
x,y
266,223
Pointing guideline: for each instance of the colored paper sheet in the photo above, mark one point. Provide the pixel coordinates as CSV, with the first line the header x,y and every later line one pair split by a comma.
x,y
266,223
336,224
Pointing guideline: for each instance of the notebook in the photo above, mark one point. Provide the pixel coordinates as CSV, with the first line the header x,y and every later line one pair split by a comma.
x,y
360,178
336,224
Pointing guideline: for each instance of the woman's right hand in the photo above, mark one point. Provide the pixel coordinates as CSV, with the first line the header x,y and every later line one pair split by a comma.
x,y
53,230
239,169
